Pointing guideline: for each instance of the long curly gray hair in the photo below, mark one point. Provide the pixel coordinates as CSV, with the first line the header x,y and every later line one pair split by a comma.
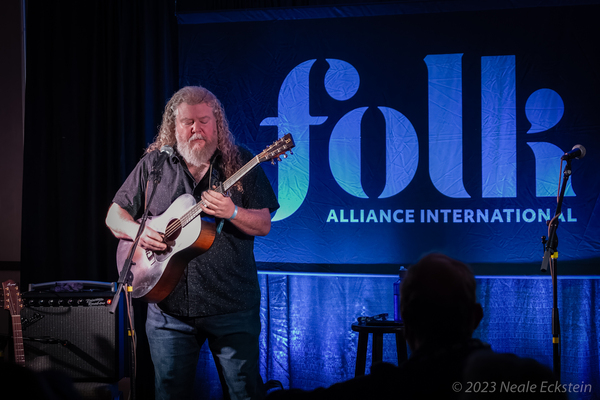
x,y
230,156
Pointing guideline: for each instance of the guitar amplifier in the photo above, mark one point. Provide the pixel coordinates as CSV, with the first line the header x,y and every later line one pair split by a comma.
x,y
67,327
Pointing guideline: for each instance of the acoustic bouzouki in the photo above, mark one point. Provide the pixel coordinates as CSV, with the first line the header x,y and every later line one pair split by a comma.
x,y
14,303
155,274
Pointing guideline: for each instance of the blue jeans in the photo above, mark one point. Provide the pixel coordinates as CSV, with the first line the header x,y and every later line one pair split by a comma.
x,y
232,338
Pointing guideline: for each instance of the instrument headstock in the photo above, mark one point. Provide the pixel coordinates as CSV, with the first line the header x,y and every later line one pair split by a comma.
x,y
12,297
277,149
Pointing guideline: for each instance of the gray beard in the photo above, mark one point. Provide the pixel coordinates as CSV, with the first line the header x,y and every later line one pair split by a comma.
x,y
195,158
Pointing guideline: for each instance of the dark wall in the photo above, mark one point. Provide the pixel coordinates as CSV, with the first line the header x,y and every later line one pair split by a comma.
x,y
11,132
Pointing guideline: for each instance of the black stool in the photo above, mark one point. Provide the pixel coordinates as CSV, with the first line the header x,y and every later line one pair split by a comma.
x,y
377,353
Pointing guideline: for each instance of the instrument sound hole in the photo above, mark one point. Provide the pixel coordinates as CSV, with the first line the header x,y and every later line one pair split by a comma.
x,y
173,230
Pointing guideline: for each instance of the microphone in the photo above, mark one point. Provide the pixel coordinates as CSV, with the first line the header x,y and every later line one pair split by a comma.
x,y
578,152
165,152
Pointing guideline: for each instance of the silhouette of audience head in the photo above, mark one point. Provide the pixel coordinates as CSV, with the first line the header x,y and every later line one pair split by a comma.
x,y
438,301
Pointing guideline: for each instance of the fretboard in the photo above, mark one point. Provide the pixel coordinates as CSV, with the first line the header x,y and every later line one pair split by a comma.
x,y
197,209
18,340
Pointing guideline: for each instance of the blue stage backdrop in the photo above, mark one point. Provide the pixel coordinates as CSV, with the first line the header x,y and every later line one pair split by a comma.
x,y
414,133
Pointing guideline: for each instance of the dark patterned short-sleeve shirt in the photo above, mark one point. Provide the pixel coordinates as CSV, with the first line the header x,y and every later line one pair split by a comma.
x,y
223,279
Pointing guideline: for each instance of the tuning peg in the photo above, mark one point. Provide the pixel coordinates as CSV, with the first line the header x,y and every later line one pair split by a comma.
x,y
291,152
279,159
273,162
285,155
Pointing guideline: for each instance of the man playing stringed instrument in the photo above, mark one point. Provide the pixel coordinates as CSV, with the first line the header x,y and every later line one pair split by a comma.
x,y
217,296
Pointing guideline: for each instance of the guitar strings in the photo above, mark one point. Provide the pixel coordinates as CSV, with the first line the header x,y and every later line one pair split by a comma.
x,y
196,209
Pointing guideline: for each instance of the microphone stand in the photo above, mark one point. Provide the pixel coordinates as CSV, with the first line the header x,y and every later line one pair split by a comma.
x,y
126,279
551,252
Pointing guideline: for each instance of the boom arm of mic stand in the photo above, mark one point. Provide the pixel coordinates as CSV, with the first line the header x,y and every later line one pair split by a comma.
x,y
552,243
125,276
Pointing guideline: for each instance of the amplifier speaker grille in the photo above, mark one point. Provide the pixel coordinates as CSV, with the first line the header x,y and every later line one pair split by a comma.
x,y
84,342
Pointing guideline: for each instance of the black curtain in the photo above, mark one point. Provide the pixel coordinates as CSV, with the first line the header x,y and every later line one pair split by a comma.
x,y
98,76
